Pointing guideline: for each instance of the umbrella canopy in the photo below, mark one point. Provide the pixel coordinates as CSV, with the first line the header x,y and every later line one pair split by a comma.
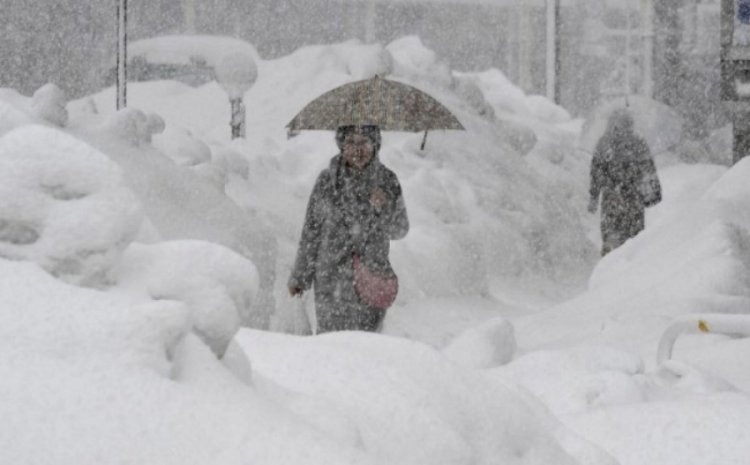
x,y
658,124
392,105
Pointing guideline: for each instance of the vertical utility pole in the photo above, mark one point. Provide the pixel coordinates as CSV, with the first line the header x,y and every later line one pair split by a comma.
x,y
525,53
237,122
628,56
667,62
553,50
647,38
122,53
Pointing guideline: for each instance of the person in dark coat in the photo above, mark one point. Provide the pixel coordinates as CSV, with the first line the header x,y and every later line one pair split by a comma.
x,y
623,171
356,207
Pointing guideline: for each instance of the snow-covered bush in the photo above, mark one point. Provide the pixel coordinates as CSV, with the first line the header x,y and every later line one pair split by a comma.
x,y
134,126
48,103
231,162
589,378
216,284
182,147
63,205
368,61
15,111
413,61
490,345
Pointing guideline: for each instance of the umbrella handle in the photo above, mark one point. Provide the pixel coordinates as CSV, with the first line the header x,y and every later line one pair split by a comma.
x,y
424,139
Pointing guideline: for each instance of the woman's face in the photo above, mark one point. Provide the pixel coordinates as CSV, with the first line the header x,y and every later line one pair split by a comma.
x,y
358,150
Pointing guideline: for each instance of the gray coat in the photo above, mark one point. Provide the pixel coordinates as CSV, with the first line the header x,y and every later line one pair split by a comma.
x,y
339,222
623,172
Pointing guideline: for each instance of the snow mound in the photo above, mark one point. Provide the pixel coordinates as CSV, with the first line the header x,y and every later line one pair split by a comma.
x,y
11,117
508,100
490,345
578,380
63,205
368,61
134,126
231,162
88,375
16,109
703,249
413,60
416,406
352,59
48,103
680,432
182,147
218,289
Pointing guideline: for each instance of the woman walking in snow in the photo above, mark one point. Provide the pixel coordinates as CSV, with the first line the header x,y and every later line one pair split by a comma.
x,y
356,208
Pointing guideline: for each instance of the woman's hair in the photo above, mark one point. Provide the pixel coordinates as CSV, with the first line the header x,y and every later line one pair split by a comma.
x,y
369,130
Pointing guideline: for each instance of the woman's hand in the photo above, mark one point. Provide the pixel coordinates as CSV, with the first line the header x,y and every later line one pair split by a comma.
x,y
378,199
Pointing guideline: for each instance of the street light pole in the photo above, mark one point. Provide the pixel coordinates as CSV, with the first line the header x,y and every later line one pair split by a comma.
x,y
122,53
553,50
647,35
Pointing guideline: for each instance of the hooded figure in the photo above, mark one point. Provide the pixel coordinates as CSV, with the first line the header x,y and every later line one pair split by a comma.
x,y
356,207
623,171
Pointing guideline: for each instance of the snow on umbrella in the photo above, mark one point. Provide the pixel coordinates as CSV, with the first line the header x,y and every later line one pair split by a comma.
x,y
391,105
658,124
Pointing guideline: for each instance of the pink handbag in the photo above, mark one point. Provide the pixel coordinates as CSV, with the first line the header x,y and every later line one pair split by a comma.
x,y
376,290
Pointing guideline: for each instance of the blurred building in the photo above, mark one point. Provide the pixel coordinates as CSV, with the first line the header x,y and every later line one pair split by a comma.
x,y
665,48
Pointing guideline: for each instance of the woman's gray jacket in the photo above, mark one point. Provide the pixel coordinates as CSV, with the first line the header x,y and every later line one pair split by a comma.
x,y
340,221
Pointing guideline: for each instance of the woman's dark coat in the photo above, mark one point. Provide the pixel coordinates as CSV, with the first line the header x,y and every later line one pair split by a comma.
x,y
339,222
623,171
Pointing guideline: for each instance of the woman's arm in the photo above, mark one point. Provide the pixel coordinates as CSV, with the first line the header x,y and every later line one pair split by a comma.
x,y
391,218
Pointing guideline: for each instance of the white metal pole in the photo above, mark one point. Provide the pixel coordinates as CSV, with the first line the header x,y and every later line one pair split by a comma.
x,y
188,11
551,48
526,38
122,53
370,22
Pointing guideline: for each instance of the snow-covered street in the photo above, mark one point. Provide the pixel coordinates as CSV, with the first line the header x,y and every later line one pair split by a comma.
x,y
145,319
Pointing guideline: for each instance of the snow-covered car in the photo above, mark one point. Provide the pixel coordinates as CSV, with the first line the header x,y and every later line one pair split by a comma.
x,y
190,59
